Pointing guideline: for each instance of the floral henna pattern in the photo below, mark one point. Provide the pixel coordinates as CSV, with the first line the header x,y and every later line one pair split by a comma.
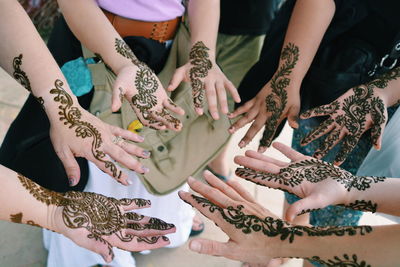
x,y
313,171
98,214
277,100
22,78
201,64
71,116
272,227
147,85
345,261
362,205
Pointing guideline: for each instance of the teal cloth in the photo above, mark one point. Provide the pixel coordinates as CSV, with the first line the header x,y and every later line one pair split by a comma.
x,y
78,75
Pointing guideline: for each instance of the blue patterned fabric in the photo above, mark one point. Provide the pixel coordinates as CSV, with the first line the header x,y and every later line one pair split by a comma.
x,y
78,75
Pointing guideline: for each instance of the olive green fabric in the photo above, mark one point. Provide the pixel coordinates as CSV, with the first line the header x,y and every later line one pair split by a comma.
x,y
176,155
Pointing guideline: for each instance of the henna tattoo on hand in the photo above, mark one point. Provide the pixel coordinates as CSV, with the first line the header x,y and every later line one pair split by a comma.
x,y
272,227
98,214
17,218
71,116
313,171
147,85
201,64
352,114
277,100
362,205
22,78
151,240
346,261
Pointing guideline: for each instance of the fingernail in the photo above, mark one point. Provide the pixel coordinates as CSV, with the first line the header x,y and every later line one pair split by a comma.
x,y
191,179
146,153
195,246
242,144
129,181
145,169
141,138
71,181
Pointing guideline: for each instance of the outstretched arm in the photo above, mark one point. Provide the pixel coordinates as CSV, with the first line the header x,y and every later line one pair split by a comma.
x,y
280,97
135,80
74,131
257,236
93,221
319,183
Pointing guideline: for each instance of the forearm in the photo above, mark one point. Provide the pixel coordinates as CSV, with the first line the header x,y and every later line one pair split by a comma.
x,y
18,204
307,26
89,24
204,21
382,196
332,250
25,57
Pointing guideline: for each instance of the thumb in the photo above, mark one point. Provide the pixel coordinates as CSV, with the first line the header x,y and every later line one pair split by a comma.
x,y
118,95
302,206
70,165
208,247
293,116
177,78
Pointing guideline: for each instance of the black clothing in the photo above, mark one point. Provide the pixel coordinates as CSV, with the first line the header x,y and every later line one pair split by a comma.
x,y
251,17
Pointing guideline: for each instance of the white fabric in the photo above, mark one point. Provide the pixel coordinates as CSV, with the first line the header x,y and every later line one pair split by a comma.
x,y
385,162
170,208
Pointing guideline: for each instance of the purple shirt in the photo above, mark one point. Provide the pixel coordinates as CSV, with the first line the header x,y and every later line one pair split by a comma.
x,y
144,10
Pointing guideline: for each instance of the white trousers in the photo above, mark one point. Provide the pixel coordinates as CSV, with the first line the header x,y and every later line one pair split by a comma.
x,y
170,208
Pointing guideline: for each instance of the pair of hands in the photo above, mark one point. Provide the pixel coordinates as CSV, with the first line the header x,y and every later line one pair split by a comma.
x,y
249,226
99,223
361,108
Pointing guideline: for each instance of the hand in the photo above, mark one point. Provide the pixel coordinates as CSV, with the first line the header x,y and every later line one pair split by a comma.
x,y
205,75
146,95
318,183
278,99
236,212
99,223
359,109
77,133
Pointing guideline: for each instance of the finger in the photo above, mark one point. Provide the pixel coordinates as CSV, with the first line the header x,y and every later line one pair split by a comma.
x,y
167,119
233,91
293,116
271,180
117,97
212,194
153,227
109,167
241,190
323,110
140,243
247,118
221,186
256,164
128,135
242,109
256,155
212,99
304,205
70,164
330,141
102,247
122,157
209,247
348,144
134,204
268,134
319,131
252,131
221,93
376,136
134,150
289,152
170,105
177,78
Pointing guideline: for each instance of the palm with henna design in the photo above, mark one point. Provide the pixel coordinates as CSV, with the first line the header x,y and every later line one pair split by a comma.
x,y
144,92
319,183
350,116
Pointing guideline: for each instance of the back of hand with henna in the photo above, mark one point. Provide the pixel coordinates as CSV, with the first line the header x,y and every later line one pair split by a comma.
x,y
350,116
